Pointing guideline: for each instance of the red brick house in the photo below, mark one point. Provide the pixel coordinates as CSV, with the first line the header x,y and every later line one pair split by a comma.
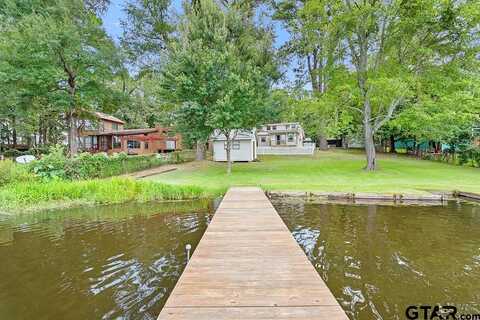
x,y
107,134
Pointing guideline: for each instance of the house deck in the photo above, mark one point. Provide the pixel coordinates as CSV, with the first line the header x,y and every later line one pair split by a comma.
x,y
248,266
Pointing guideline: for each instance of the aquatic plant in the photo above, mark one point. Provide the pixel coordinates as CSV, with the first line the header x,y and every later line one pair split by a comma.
x,y
38,195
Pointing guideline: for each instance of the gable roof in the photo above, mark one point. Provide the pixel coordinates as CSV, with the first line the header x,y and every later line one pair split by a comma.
x,y
127,132
240,135
108,117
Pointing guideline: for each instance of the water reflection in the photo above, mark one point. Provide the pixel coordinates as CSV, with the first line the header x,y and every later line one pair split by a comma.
x,y
116,262
379,259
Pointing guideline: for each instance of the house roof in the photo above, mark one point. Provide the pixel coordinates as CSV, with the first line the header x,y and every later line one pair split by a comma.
x,y
241,135
108,117
126,132
280,123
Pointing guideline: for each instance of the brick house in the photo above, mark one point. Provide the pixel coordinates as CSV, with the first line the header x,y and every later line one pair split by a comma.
x,y
107,134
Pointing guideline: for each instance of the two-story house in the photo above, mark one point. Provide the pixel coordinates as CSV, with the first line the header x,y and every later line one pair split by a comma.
x,y
289,134
107,134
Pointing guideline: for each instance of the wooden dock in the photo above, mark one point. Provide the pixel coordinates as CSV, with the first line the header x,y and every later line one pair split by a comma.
x,y
248,266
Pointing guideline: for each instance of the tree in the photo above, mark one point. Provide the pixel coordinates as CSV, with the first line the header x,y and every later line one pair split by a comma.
x,y
316,45
214,75
60,54
392,43
315,42
446,107
147,29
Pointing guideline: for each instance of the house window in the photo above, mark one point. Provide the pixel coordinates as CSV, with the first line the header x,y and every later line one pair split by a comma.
x,y
263,139
115,126
146,145
290,137
116,142
268,127
235,145
133,144
274,128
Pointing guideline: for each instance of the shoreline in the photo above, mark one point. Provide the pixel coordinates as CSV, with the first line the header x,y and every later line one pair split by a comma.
x,y
371,198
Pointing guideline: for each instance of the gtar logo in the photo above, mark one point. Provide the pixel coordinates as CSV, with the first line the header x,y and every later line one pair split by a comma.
x,y
431,312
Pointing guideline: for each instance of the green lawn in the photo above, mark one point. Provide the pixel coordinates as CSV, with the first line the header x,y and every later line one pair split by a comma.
x,y
330,171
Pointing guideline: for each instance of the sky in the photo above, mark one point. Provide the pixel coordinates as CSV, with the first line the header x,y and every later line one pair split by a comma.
x,y
115,14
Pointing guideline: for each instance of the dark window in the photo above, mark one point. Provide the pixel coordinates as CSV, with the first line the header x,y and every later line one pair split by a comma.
x,y
133,144
116,142
115,126
268,127
290,137
274,128
263,139
146,145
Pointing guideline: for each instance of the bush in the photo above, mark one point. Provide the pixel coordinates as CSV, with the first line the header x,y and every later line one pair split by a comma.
x,y
11,172
13,153
52,165
39,150
88,166
469,154
56,166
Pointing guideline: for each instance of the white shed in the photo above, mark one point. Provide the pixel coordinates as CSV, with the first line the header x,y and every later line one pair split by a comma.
x,y
244,146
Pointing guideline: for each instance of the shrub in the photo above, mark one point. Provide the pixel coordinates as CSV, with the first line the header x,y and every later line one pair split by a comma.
x,y
469,154
87,166
55,165
11,172
52,165
13,153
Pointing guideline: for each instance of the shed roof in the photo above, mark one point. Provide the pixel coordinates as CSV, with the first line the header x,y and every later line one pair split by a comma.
x,y
240,135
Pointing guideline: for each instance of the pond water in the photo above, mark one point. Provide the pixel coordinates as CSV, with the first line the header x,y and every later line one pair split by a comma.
x,y
115,262
121,262
379,259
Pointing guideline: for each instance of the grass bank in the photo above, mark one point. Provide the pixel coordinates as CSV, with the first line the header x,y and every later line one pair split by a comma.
x,y
40,195
331,171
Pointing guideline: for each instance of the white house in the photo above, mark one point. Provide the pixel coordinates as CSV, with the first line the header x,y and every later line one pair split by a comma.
x,y
286,138
287,134
244,146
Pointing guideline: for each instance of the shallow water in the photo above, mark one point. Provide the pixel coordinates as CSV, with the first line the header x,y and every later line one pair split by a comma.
x,y
379,259
113,262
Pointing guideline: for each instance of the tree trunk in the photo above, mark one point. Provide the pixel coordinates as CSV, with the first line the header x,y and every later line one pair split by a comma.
x,y
344,142
370,148
72,135
200,154
229,155
322,142
14,138
14,132
72,121
392,144
368,135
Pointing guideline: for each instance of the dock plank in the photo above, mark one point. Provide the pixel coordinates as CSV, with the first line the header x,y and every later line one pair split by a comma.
x,y
248,266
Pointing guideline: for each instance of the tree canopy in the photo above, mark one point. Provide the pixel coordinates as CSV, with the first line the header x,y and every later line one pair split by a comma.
x,y
215,75
370,71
